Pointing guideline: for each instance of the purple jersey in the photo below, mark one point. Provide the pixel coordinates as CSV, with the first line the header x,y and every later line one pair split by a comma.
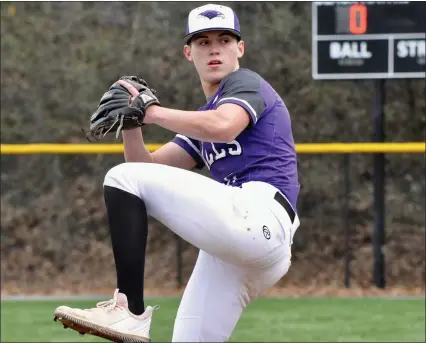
x,y
264,151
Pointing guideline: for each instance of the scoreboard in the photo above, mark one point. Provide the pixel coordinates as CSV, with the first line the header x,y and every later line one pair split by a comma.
x,y
368,39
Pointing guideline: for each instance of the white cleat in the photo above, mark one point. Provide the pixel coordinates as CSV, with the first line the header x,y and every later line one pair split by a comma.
x,y
110,319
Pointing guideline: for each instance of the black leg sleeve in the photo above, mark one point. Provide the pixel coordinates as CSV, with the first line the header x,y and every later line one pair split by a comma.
x,y
128,224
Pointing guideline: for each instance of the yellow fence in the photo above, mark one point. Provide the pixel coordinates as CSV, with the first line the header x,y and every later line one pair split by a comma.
x,y
302,148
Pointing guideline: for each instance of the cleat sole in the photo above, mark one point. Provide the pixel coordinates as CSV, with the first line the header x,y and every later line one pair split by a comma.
x,y
83,327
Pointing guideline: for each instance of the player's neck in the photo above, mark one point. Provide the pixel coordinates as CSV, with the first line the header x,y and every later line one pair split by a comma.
x,y
209,89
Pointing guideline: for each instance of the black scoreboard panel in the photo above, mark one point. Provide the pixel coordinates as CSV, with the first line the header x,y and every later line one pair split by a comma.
x,y
371,17
368,39
361,56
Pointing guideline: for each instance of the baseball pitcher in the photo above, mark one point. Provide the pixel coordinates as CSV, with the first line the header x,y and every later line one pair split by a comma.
x,y
243,219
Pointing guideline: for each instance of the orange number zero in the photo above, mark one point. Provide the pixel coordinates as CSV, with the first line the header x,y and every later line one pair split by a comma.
x,y
358,19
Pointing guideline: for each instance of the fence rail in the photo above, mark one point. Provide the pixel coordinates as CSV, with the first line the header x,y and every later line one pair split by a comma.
x,y
302,148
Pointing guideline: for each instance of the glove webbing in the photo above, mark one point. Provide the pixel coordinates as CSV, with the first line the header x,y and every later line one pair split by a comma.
x,y
101,130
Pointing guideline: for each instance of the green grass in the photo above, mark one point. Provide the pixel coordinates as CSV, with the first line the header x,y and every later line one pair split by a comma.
x,y
271,320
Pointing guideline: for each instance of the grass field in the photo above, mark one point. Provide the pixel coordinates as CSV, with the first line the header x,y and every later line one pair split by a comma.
x,y
266,320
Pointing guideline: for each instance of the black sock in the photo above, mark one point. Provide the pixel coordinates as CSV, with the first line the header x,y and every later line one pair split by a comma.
x,y
128,224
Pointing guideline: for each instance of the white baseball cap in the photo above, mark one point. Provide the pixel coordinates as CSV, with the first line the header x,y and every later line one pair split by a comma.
x,y
212,17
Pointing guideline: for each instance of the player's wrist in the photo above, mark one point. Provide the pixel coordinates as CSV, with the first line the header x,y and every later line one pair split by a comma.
x,y
152,114
131,133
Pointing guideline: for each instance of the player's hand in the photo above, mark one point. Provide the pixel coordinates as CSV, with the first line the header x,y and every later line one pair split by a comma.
x,y
142,95
132,89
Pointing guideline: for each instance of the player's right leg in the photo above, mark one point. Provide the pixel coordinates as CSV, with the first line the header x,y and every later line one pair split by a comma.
x,y
216,295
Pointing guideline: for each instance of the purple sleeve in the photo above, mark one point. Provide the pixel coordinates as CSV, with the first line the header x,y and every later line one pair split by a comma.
x,y
192,147
243,88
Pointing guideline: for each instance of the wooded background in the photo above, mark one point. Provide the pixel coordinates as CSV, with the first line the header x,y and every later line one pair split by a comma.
x,y
58,58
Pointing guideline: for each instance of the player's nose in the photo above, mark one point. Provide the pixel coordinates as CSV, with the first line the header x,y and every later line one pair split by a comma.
x,y
215,48
215,52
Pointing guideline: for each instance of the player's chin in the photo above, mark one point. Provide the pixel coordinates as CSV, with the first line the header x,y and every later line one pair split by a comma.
x,y
215,76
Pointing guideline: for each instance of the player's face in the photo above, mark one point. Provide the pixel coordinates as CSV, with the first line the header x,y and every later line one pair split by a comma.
x,y
215,54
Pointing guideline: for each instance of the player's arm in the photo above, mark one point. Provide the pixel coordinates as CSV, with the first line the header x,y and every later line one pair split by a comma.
x,y
169,154
219,125
239,106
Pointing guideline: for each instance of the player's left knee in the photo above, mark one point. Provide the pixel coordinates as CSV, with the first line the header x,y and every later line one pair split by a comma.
x,y
120,177
135,178
114,173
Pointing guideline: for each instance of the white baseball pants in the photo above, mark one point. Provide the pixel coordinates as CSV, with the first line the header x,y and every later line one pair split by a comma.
x,y
238,257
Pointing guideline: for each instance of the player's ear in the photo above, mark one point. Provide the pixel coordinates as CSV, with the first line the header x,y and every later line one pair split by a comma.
x,y
240,48
187,52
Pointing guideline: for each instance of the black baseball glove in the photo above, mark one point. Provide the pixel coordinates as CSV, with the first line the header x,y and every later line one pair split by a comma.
x,y
119,110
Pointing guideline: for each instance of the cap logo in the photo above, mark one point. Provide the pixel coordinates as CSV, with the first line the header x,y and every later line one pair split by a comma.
x,y
211,14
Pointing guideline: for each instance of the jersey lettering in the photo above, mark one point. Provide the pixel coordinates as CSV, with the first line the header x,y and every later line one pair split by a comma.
x,y
233,149
218,155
